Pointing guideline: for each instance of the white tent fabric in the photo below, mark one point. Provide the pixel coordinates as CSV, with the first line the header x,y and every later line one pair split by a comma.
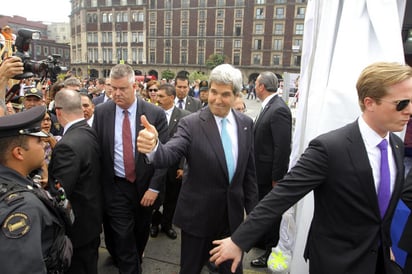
x,y
341,37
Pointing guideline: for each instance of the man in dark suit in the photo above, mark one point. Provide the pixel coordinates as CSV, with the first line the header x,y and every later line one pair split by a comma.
x,y
165,98
130,184
183,100
75,165
219,180
105,95
356,182
273,137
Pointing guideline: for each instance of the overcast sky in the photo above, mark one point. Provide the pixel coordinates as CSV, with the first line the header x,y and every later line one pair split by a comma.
x,y
39,10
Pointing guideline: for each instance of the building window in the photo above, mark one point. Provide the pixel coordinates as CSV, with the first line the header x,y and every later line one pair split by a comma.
x,y
278,29
219,44
167,57
46,50
219,29
276,60
123,2
185,15
118,17
152,30
239,3
296,60
125,16
202,3
168,4
152,43
93,3
185,3
220,3
168,44
299,29
220,14
108,3
109,37
110,17
300,12
201,58
236,59
201,43
257,59
152,16
260,2
168,15
152,57
168,29
184,44
183,57
202,30
202,14
140,37
258,44
259,29
124,37
238,29
184,30
140,55
238,14
260,13
104,17
278,44
280,13
237,44
280,1
140,16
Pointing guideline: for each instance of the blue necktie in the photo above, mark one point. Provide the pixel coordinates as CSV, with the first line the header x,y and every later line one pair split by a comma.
x,y
384,189
180,104
227,146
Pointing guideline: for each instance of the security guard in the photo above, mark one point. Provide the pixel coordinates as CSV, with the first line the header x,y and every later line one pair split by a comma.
x,y
32,232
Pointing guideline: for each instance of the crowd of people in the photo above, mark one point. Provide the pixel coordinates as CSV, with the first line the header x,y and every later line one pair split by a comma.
x,y
133,160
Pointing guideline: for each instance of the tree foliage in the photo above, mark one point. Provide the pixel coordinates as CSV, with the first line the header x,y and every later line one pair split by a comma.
x,y
168,74
214,60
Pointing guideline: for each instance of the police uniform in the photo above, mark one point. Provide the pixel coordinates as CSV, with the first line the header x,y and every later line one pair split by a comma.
x,y
32,236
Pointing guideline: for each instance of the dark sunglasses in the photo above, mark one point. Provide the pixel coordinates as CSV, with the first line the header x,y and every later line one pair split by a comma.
x,y
400,104
152,89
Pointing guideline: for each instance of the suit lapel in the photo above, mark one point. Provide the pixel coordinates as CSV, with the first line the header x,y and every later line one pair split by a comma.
x,y
262,113
398,185
111,116
360,162
173,120
211,131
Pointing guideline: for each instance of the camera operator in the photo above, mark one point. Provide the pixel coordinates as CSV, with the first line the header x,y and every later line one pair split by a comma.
x,y
33,236
8,69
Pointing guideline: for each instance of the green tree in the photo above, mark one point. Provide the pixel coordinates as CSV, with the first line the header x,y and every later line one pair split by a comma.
x,y
168,74
214,60
197,75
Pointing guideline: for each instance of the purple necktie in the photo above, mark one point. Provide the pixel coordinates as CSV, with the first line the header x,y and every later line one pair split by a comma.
x,y
384,189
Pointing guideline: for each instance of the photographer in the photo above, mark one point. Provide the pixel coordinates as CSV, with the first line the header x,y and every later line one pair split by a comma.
x,y
9,68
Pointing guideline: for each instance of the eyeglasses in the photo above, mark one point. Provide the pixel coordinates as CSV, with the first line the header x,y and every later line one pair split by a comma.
x,y
400,104
153,89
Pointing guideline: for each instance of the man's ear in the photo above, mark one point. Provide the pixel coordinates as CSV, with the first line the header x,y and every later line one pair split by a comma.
x,y
18,153
369,103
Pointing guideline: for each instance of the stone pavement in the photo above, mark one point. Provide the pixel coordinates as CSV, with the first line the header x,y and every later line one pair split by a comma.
x,y
162,254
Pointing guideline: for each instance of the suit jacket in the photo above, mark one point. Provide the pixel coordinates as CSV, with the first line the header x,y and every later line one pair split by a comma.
x,y
273,134
347,229
192,104
206,199
98,100
146,175
405,242
75,164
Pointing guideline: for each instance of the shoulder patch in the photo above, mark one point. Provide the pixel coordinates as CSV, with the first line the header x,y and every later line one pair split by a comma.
x,y
16,225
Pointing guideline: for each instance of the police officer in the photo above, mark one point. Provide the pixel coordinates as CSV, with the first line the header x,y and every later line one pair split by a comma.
x,y
32,233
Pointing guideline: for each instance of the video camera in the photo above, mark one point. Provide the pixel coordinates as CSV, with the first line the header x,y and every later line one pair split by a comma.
x,y
44,68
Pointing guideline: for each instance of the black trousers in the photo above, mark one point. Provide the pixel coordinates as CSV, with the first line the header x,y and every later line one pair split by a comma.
x,y
195,254
130,224
84,259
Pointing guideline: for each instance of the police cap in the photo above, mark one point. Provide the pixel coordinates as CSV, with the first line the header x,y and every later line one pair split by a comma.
x,y
203,86
23,123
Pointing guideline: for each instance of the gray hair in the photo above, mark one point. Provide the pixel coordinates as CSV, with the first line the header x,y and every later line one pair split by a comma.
x,y
228,75
72,81
269,81
69,101
122,70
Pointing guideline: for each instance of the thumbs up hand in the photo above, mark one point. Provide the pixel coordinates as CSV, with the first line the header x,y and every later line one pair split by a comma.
x,y
148,137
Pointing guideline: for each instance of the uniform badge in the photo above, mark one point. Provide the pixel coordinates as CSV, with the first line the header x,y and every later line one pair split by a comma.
x,y
16,225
